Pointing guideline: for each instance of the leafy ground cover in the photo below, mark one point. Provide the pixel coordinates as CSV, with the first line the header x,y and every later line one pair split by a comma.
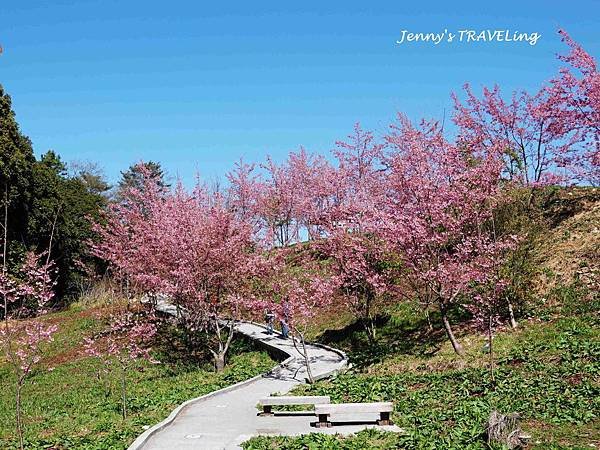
x,y
76,405
548,371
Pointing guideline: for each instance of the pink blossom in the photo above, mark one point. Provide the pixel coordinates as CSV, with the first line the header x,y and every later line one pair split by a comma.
x,y
549,137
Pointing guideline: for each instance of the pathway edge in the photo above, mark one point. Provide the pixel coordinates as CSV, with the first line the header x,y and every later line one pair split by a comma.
x,y
143,438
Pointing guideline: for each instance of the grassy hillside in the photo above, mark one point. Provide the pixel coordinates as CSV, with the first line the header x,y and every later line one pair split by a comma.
x,y
547,370
76,404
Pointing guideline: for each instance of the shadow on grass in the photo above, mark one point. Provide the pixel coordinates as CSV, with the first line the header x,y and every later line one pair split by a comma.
x,y
173,347
402,332
559,204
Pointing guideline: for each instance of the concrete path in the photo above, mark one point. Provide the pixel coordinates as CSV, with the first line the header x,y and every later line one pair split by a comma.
x,y
226,418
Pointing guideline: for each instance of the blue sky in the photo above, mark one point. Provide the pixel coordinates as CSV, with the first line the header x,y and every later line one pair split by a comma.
x,y
197,85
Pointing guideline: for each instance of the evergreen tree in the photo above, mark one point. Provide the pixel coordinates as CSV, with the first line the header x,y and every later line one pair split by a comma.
x,y
61,207
16,162
134,177
43,207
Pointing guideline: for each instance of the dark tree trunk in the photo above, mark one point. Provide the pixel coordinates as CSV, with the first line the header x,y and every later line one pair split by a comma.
x,y
368,321
369,326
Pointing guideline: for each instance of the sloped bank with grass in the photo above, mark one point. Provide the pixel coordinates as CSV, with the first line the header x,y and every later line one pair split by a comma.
x,y
76,405
548,372
547,369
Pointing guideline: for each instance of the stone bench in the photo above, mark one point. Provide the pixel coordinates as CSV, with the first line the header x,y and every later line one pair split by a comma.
x,y
323,412
268,402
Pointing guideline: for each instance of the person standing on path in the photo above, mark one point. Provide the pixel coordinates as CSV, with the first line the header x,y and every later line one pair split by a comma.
x,y
269,318
285,328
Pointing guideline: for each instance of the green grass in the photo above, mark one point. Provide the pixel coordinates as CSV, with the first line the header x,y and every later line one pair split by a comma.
x,y
548,371
367,440
76,405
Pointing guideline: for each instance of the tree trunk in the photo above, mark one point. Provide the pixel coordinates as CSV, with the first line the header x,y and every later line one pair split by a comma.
x,y
367,319
428,316
491,346
303,352
511,314
219,358
369,325
506,431
5,240
19,418
219,355
4,251
124,393
455,344
311,380
52,235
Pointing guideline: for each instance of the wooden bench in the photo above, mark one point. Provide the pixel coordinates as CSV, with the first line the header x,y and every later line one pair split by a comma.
x,y
268,402
323,412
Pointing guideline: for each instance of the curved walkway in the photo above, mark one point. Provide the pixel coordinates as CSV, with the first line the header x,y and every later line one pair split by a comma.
x,y
226,418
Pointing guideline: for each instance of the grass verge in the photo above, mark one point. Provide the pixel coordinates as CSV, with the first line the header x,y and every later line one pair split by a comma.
x,y
548,371
76,404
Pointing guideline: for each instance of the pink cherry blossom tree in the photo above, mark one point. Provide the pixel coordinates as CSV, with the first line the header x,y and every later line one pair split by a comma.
x,y
359,160
279,205
295,286
358,264
127,340
488,295
439,200
349,234
575,97
192,247
547,137
289,197
245,192
524,131
314,181
24,336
